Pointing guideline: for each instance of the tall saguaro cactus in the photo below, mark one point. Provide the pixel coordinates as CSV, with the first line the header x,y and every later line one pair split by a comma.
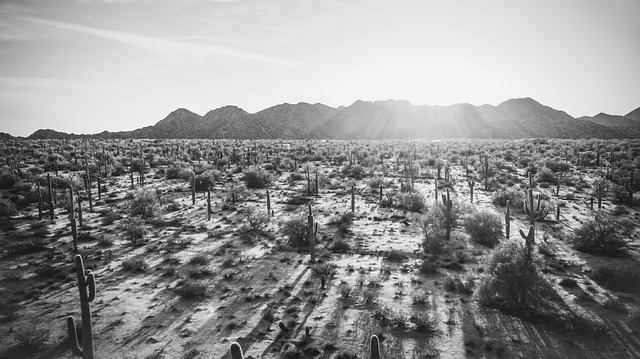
x,y
87,289
471,183
193,189
268,204
50,190
529,239
630,187
507,219
530,208
448,212
312,230
72,220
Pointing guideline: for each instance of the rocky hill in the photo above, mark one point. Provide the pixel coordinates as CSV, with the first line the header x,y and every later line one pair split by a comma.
x,y
389,119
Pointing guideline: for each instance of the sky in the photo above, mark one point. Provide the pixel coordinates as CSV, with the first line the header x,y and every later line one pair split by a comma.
x,y
85,66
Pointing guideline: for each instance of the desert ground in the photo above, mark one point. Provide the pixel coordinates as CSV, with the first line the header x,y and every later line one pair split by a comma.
x,y
305,249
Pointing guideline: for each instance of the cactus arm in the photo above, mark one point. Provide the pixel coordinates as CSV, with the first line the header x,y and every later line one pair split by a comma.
x,y
73,337
375,347
236,351
91,284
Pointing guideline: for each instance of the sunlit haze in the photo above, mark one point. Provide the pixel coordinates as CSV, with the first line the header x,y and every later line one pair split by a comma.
x,y
88,66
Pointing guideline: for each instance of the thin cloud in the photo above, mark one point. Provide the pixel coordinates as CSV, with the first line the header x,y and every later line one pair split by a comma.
x,y
158,45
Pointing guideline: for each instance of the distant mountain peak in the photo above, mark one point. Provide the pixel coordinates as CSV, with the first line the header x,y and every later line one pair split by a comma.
x,y
384,119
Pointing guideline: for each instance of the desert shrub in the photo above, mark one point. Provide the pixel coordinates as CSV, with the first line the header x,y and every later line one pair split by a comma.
x,y
7,208
423,322
39,229
620,193
258,178
135,230
340,245
556,166
254,219
516,198
546,175
354,171
145,204
343,221
109,216
618,278
394,255
604,235
433,235
240,192
428,266
190,289
295,228
207,180
411,201
457,284
135,264
511,282
173,172
484,227
375,182
7,180
200,260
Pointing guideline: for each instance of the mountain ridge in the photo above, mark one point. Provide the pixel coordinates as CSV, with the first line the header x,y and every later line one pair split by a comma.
x,y
382,119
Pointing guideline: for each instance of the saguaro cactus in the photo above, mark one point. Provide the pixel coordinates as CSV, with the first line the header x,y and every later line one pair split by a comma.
x,y
39,196
208,204
87,289
448,207
312,230
268,204
530,208
630,187
374,348
50,190
507,219
236,351
193,189
600,195
72,220
529,240
471,183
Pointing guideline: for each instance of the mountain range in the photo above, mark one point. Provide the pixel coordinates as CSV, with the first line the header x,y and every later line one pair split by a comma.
x,y
389,119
